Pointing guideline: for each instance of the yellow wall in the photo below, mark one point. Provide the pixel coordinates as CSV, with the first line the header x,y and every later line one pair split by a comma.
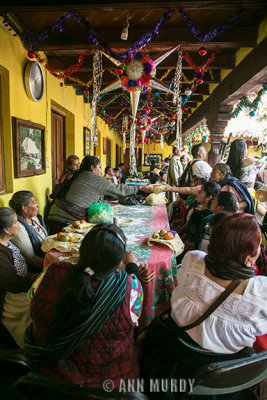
x,y
15,102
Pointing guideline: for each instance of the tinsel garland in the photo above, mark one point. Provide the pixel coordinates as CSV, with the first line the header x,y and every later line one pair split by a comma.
x,y
124,130
213,33
97,40
140,44
202,67
251,105
177,96
165,74
69,71
97,76
132,166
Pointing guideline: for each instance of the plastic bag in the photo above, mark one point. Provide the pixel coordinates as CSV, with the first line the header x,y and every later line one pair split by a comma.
x,y
100,212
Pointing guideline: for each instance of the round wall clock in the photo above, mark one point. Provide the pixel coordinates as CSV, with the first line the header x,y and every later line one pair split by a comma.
x,y
34,80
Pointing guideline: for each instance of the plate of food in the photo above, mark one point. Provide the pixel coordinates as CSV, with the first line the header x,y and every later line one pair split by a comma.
x,y
168,238
64,242
157,187
79,227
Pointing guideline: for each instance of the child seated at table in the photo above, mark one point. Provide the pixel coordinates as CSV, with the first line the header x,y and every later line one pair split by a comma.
x,y
225,202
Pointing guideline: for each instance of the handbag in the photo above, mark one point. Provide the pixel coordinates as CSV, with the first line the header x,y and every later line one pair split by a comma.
x,y
164,326
131,199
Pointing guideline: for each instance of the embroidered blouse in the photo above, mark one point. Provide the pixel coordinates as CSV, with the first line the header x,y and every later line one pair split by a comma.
x,y
249,173
234,324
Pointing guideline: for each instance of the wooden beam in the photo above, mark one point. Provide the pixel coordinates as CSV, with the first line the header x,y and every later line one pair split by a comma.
x,y
169,37
247,76
87,5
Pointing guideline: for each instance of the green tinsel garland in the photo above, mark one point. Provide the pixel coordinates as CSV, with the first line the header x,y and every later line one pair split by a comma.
x,y
252,105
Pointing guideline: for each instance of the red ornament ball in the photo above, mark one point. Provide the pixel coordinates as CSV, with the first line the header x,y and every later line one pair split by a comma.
x,y
85,92
30,54
61,84
202,51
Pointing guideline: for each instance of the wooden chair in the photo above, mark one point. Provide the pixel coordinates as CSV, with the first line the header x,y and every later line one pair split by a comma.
x,y
36,386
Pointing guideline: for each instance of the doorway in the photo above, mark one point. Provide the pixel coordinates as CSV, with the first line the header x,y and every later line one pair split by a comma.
x,y
58,145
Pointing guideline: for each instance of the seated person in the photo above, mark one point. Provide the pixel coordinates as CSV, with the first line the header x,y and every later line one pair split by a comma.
x,y
14,283
71,165
116,176
225,201
109,174
84,316
231,329
154,176
221,174
86,187
32,229
123,175
163,177
185,205
204,198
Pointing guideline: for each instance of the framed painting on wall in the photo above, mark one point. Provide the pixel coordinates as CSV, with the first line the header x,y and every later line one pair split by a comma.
x,y
104,145
153,157
29,148
86,141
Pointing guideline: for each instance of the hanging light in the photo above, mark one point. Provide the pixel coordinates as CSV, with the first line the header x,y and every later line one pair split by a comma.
x,y
124,33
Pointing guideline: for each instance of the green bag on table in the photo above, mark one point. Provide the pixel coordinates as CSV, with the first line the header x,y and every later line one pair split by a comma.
x,y
100,212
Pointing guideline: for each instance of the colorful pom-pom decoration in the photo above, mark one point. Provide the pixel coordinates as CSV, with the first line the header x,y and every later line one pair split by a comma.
x,y
144,124
136,72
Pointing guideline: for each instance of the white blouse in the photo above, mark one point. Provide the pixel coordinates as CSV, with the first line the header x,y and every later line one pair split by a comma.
x,y
234,324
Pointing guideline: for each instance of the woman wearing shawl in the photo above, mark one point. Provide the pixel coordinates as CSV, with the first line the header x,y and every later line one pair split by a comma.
x,y
221,174
243,168
231,329
14,284
84,316
32,229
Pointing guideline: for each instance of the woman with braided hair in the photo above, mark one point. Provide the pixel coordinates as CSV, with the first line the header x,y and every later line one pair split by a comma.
x,y
84,316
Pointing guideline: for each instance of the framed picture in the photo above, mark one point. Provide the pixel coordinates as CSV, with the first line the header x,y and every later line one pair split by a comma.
x,y
153,157
86,141
104,145
29,148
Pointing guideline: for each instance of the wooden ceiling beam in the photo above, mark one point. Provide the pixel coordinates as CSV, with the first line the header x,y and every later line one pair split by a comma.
x,y
247,76
168,37
88,5
223,60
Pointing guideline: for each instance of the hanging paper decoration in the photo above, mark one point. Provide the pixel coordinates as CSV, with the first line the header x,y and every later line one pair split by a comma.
x,y
161,142
177,76
136,72
144,124
132,166
143,147
124,130
97,76
177,99
210,35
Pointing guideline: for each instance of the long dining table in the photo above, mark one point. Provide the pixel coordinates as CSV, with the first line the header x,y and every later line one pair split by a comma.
x,y
157,262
